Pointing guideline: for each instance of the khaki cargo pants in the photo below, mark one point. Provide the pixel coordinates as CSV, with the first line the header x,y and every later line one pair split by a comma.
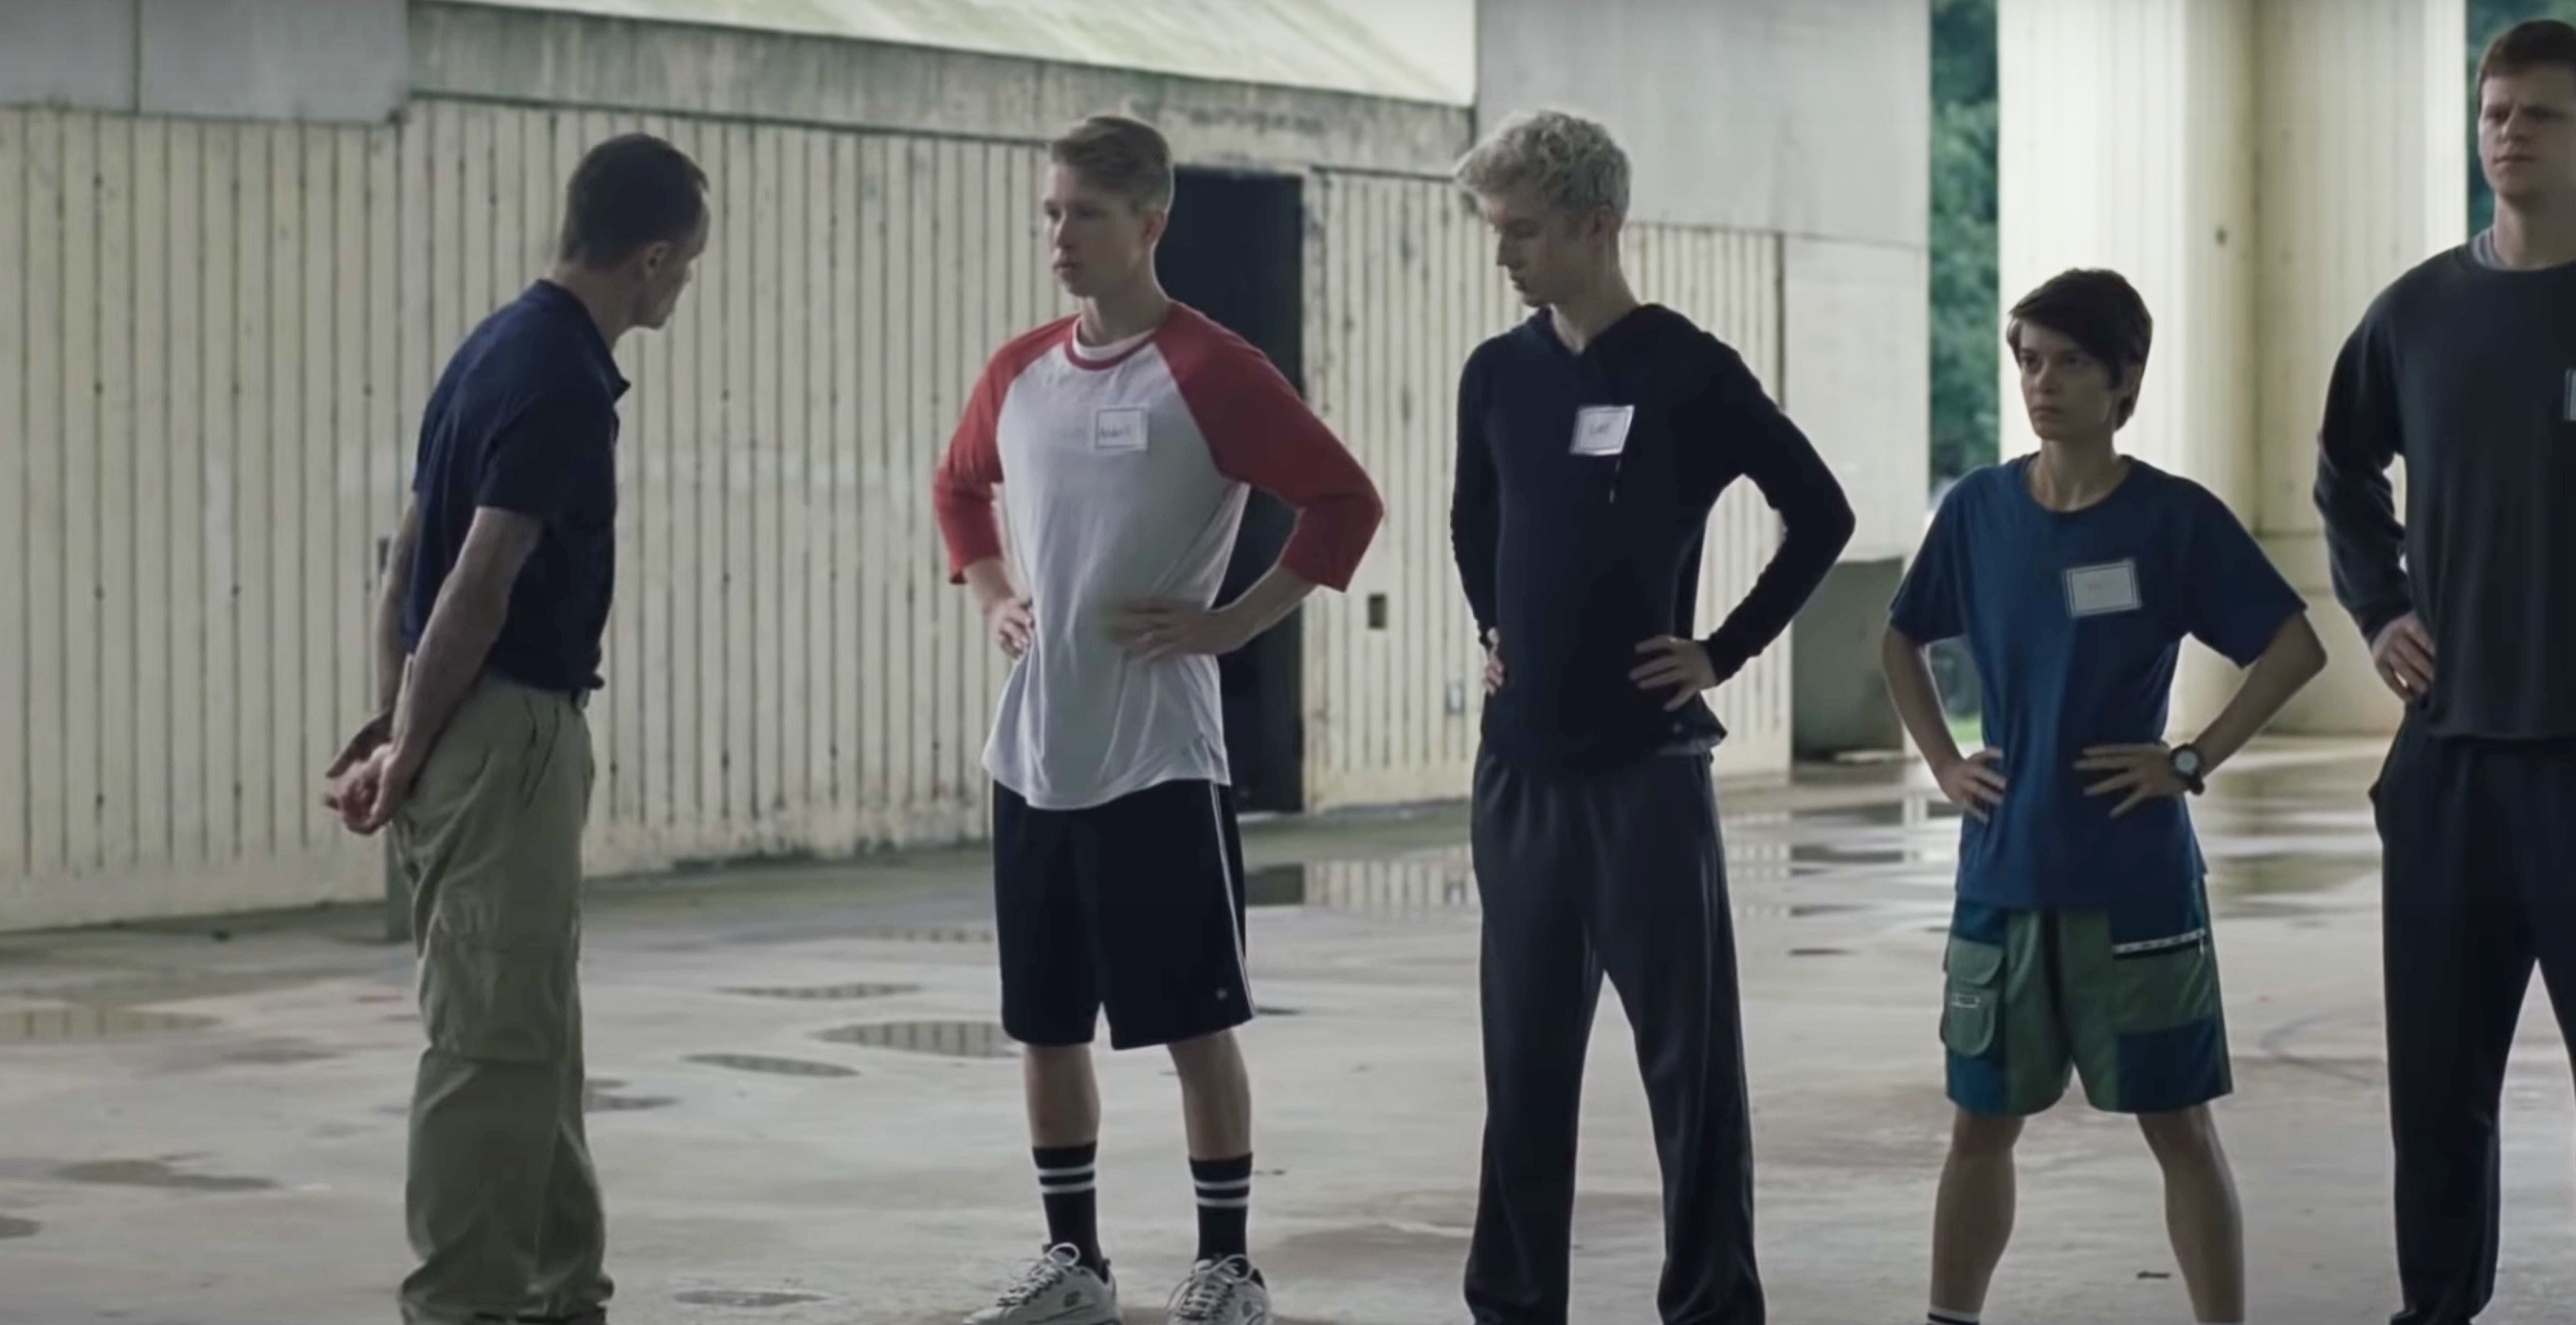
x,y
502,1203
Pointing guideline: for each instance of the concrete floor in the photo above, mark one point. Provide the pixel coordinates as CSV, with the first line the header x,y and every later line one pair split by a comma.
x,y
205,1121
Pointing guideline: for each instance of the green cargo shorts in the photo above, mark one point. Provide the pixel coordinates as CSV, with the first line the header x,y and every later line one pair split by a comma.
x,y
2127,996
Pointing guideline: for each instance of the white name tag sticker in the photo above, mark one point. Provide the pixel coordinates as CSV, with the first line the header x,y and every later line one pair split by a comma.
x,y
1602,429
2102,590
1118,430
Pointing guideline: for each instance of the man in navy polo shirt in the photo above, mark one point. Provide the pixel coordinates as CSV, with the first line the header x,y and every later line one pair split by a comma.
x,y
2081,934
1593,440
487,648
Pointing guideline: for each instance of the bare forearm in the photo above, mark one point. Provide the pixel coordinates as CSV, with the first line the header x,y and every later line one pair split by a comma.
x,y
1269,601
390,654
2293,658
390,599
453,647
989,581
1918,704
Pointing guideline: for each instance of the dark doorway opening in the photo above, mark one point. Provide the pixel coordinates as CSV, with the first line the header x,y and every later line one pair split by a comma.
x,y
1235,252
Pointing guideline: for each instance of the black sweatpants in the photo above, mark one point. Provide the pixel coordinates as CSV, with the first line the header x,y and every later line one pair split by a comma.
x,y
1619,872
2479,883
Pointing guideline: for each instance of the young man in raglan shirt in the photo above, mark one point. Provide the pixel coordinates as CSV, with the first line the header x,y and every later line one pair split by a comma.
x,y
2466,366
2080,939
1126,440
1592,442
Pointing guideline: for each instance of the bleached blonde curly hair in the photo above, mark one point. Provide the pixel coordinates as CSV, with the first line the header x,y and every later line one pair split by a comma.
x,y
1572,162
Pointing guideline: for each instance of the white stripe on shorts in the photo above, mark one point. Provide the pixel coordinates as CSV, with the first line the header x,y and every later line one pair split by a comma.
x,y
2159,945
1233,888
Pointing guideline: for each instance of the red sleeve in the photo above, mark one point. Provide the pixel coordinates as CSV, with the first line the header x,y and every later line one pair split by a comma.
x,y
1261,434
961,491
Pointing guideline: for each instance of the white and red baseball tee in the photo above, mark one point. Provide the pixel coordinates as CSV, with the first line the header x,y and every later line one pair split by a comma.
x,y
1124,470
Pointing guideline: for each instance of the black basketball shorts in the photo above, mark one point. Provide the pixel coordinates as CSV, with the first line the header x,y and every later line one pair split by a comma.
x,y
1134,906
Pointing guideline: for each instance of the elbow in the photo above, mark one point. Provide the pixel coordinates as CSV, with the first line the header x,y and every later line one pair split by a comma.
x,y
2296,654
1369,510
2310,651
1831,525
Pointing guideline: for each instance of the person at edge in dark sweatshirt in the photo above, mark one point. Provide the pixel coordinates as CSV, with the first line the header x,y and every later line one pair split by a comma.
x,y
1592,441
2466,366
2080,939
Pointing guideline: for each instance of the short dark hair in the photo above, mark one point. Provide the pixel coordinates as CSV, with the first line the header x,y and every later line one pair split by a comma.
x,y
1126,157
2098,310
2528,45
630,191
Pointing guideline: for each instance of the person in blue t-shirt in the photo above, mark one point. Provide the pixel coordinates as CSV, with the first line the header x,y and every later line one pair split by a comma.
x,y
2081,933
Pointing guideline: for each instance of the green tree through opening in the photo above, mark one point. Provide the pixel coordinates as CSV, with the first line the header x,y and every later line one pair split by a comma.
x,y
1964,317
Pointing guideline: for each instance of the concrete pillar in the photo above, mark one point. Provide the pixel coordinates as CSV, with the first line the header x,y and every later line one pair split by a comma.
x,y
2258,169
2363,172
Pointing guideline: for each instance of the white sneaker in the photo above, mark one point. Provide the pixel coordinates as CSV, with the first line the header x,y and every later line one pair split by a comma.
x,y
1055,1289
1221,1293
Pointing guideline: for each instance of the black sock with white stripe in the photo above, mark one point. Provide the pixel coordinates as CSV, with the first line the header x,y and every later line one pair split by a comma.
x,y
1068,1181
1225,1205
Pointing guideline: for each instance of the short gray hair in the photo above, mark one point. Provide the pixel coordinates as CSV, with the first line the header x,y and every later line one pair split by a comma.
x,y
1572,162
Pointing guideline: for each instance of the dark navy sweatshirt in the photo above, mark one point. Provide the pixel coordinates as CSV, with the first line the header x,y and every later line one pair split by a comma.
x,y
1584,485
2469,373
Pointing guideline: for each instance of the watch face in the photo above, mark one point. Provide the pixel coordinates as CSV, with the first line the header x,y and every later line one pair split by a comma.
x,y
2186,762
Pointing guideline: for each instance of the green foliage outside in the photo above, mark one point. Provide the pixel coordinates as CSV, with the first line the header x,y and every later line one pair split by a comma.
x,y
1966,355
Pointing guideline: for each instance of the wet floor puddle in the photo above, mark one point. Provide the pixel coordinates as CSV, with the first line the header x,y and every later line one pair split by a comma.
x,y
154,1173
1400,886
600,1095
944,1039
145,988
744,1299
781,1067
829,993
924,934
76,1025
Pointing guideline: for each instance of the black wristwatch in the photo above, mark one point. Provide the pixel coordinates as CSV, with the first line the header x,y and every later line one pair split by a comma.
x,y
2186,763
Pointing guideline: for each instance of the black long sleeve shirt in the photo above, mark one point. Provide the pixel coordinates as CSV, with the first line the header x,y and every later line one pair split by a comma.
x,y
1584,485
2469,372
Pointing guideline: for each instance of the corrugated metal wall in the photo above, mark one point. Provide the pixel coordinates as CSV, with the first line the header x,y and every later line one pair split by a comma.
x,y
197,390
215,342
1401,287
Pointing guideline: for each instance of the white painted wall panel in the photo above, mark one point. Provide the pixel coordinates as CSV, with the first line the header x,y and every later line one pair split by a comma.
x,y
17,518
185,509
68,53
1854,323
1805,117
